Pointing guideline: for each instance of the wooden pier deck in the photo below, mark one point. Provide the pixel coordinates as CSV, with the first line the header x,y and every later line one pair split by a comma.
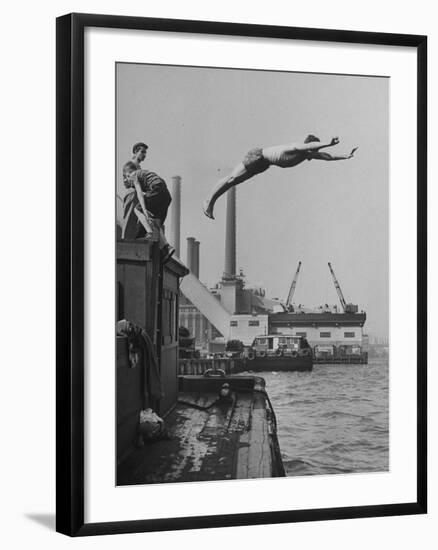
x,y
210,438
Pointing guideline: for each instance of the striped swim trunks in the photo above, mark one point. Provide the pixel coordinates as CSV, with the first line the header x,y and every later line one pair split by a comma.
x,y
255,162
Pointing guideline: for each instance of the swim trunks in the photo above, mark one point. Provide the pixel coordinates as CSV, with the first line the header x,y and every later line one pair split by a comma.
x,y
255,162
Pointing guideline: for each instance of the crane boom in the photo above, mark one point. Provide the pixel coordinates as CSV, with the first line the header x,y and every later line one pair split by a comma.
x,y
292,286
338,288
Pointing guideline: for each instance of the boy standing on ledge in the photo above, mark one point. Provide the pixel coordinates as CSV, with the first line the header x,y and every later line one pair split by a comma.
x,y
139,152
149,202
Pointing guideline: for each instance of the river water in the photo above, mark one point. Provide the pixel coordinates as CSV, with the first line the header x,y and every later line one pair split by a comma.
x,y
333,419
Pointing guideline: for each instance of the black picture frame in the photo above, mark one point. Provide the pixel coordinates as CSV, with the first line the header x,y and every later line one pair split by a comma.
x,y
70,273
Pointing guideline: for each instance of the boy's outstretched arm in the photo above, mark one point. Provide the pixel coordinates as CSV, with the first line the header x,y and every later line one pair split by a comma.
x,y
327,156
315,145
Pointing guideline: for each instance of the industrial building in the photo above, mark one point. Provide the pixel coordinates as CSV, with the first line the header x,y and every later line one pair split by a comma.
x,y
230,310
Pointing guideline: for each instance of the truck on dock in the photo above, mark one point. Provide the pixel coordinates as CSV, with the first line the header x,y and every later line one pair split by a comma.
x,y
279,352
343,354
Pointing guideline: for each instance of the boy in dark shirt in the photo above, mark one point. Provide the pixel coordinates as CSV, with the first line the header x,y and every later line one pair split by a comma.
x,y
148,200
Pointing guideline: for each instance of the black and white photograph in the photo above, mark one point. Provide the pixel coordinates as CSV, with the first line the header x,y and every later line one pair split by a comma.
x,y
252,276
217,273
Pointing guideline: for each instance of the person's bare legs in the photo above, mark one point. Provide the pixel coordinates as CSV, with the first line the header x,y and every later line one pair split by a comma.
x,y
167,251
162,237
238,175
150,224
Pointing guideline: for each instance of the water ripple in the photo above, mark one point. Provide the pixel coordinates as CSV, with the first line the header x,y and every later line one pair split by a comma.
x,y
332,420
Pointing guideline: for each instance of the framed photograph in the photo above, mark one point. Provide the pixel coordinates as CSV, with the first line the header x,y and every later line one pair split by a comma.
x,y
241,274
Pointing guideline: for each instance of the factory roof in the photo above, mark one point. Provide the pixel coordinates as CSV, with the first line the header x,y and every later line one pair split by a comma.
x,y
323,319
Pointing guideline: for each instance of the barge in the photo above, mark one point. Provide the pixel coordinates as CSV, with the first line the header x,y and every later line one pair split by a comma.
x,y
213,425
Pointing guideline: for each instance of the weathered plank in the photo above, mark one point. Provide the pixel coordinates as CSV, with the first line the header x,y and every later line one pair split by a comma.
x,y
259,453
241,417
254,459
241,471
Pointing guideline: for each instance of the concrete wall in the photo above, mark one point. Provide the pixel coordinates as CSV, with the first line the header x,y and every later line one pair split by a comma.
x,y
228,295
244,328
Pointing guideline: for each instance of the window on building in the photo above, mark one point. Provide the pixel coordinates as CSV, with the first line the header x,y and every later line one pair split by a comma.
x,y
325,334
233,323
349,334
253,323
303,334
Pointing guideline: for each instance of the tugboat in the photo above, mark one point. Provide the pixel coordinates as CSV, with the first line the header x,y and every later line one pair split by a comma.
x,y
279,352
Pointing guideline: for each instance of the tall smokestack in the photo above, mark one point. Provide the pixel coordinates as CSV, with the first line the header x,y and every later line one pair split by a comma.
x,y
175,214
191,253
230,236
196,262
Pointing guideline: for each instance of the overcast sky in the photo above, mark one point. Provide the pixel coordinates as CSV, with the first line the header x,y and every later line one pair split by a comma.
x,y
200,122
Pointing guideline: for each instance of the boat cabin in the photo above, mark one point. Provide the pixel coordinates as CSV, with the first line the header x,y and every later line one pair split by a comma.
x,y
147,297
274,343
